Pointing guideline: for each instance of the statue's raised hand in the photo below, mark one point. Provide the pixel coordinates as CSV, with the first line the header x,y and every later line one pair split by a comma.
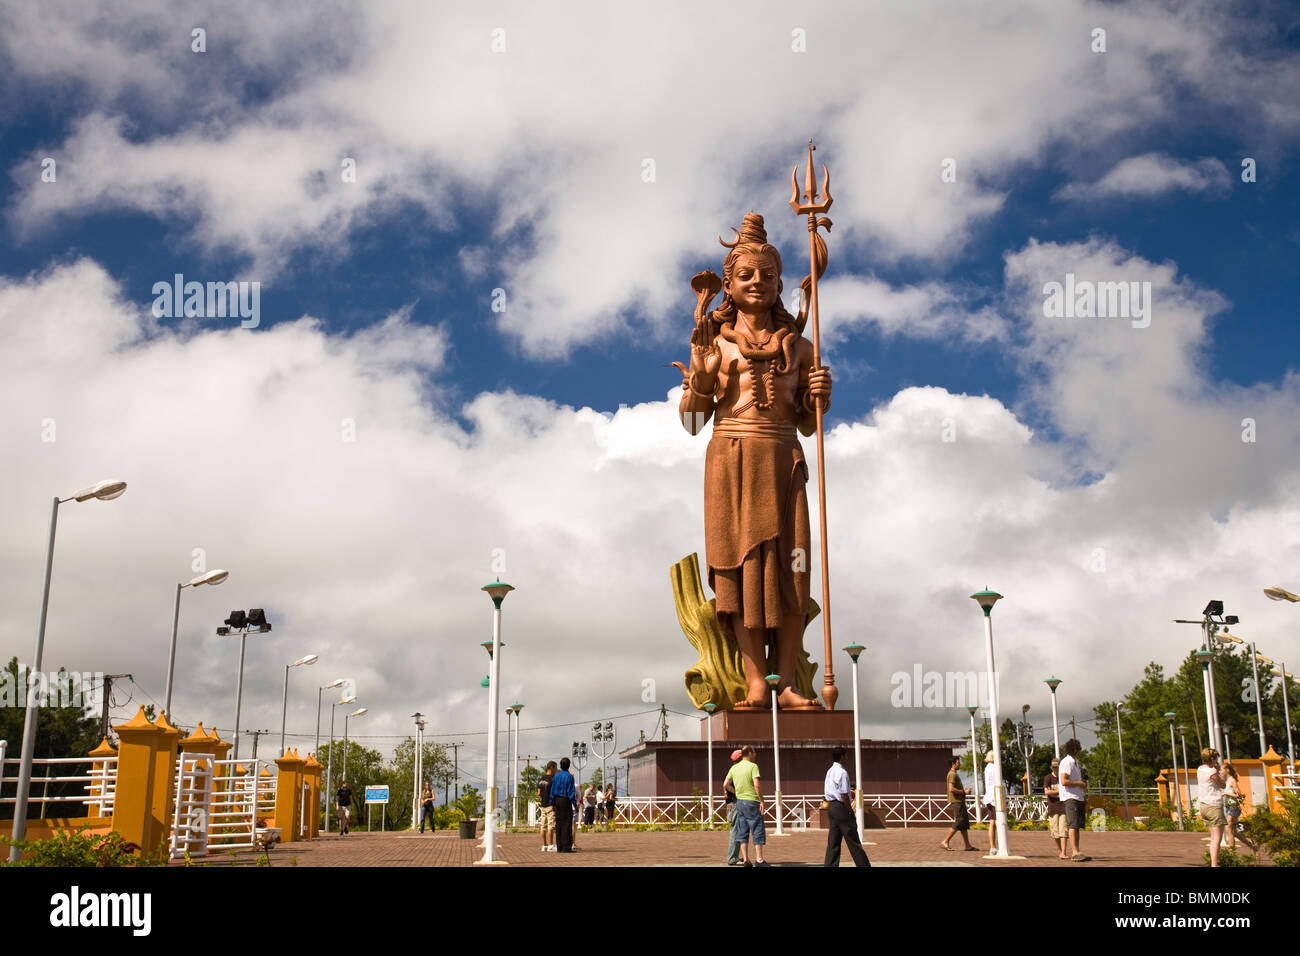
x,y
702,376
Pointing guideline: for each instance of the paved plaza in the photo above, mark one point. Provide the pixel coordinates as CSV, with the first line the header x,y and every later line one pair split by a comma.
x,y
910,847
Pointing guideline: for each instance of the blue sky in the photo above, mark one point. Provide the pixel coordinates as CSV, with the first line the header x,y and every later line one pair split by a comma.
x,y
520,168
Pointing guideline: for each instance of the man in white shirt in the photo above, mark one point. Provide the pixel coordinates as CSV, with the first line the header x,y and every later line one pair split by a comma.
x,y
842,826
1072,795
991,785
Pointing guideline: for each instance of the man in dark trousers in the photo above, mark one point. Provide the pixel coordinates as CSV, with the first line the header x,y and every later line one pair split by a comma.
x,y
843,825
343,799
564,798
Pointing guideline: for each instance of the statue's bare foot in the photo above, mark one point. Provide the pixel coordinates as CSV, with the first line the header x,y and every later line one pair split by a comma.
x,y
789,699
758,697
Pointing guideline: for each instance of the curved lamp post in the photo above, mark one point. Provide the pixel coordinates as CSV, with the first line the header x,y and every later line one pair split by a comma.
x,y
854,651
213,577
329,767
1173,750
772,681
359,712
986,599
497,591
284,704
1282,594
104,491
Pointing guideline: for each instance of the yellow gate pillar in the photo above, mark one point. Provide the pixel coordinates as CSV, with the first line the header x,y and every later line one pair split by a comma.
x,y
164,781
137,754
288,796
98,770
312,771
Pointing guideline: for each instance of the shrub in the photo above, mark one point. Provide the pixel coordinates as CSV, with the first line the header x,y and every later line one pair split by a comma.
x,y
1278,833
83,849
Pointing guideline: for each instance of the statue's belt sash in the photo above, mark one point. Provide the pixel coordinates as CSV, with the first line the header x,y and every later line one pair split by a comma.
x,y
754,428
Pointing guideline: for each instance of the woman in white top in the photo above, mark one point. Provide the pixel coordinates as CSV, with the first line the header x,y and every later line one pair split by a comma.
x,y
991,784
1209,786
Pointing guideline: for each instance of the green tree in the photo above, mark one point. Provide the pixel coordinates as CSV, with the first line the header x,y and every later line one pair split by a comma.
x,y
401,771
61,731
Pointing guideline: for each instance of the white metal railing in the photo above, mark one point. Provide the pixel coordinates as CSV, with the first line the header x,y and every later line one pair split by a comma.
x,y
100,782
801,810
237,802
193,798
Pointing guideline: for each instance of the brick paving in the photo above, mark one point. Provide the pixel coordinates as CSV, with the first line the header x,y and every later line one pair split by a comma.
x,y
910,847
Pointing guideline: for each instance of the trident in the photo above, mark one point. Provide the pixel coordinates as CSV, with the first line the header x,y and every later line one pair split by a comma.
x,y
817,256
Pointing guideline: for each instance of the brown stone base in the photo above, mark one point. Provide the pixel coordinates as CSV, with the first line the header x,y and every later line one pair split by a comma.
x,y
747,726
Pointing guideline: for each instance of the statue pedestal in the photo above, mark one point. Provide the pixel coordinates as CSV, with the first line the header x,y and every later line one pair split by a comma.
x,y
752,726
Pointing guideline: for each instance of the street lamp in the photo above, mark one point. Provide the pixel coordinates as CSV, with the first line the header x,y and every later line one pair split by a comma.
x,y
329,766
1053,683
319,696
419,766
1025,733
854,651
986,599
1227,638
603,744
1123,775
517,709
772,681
708,709
284,704
497,591
1211,619
213,577
248,622
1286,712
104,491
359,712
1173,750
974,762
1182,735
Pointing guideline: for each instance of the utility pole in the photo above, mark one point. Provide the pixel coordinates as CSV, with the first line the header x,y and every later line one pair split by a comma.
x,y
108,693
256,734
1072,731
455,756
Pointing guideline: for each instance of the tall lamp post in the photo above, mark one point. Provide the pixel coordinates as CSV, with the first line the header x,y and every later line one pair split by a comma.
x,y
213,577
1026,735
329,767
320,694
772,681
1173,750
855,651
419,767
1281,672
284,702
975,763
359,712
514,764
708,709
1053,683
1226,638
1187,773
986,599
497,591
603,745
1123,776
103,491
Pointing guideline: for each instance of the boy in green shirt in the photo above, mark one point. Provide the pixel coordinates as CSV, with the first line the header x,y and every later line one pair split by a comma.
x,y
743,777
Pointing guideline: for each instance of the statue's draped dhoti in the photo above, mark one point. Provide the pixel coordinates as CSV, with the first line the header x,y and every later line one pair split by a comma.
x,y
757,538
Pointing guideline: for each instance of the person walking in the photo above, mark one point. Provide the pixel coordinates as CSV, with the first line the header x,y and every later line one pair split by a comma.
x,y
733,826
743,776
589,805
547,810
991,785
843,825
1055,809
564,798
426,808
611,806
1072,795
957,803
343,800
1209,787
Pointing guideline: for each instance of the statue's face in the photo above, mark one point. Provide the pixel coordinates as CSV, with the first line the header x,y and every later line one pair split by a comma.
x,y
754,283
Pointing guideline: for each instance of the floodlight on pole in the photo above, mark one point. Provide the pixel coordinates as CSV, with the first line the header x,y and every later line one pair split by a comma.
x,y
104,491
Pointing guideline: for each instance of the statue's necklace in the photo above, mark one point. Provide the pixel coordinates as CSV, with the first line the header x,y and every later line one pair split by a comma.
x,y
761,359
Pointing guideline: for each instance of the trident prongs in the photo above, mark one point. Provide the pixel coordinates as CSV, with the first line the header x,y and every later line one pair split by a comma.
x,y
811,207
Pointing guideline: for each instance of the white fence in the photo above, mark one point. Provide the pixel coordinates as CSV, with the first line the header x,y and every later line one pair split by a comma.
x,y
98,781
218,807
